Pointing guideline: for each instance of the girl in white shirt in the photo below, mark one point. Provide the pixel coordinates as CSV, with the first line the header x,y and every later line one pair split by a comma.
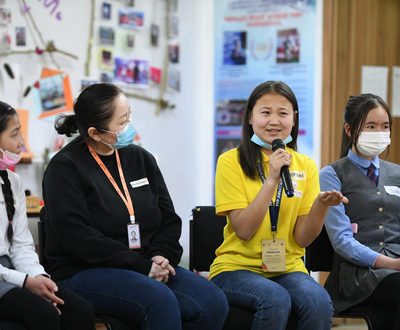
x,y
28,297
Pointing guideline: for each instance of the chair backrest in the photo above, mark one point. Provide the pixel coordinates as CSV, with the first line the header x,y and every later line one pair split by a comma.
x,y
42,240
319,254
205,236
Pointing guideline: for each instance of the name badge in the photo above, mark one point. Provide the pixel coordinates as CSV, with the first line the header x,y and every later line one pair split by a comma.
x,y
139,183
393,190
273,255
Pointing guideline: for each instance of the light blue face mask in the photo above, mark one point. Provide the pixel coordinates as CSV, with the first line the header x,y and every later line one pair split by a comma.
x,y
266,145
124,137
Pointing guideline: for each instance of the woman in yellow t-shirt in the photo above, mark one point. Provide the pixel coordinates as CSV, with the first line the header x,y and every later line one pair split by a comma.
x,y
259,265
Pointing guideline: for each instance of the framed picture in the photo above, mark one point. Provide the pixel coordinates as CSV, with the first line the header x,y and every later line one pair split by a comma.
x,y
131,72
87,81
173,80
52,94
155,75
173,26
106,10
130,19
107,77
107,35
130,40
173,51
20,36
106,59
5,16
155,30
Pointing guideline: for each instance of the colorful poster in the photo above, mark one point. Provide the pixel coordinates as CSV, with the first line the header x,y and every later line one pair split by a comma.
x,y
256,41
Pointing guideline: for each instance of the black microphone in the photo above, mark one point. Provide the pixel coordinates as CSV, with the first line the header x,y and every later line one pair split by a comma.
x,y
285,173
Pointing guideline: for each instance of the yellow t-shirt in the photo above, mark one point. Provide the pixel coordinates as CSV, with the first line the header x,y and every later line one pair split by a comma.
x,y
234,190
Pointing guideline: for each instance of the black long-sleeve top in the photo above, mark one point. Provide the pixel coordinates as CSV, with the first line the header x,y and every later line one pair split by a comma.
x,y
86,220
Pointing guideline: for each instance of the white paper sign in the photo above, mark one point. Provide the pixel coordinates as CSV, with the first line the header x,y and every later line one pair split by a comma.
x,y
374,80
396,91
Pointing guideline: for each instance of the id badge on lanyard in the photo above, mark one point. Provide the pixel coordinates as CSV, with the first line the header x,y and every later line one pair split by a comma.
x,y
273,250
133,231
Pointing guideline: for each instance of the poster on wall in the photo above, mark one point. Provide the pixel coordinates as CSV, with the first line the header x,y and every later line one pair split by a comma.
x,y
256,41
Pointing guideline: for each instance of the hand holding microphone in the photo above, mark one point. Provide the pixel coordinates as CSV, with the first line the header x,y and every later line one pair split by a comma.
x,y
285,173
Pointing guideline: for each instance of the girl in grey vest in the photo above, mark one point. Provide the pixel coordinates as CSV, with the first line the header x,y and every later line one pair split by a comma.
x,y
365,231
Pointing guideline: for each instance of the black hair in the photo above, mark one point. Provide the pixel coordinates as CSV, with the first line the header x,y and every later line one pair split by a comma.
x,y
249,153
6,113
94,107
355,114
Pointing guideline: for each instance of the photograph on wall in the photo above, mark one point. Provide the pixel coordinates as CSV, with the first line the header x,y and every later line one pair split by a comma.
x,y
173,51
173,80
155,30
52,93
288,46
234,48
130,40
155,75
132,72
224,145
107,35
5,16
20,36
86,82
130,19
173,30
106,77
106,10
230,112
106,59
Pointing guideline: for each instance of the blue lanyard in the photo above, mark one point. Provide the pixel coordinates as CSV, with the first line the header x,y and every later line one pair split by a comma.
x,y
273,210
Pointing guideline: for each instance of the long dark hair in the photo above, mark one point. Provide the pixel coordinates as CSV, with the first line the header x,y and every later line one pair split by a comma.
x,y
355,114
6,113
94,107
249,153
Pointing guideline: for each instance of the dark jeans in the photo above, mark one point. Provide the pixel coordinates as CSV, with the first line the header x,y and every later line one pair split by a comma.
x,y
186,301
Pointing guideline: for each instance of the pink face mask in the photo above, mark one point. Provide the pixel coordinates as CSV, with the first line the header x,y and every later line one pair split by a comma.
x,y
9,160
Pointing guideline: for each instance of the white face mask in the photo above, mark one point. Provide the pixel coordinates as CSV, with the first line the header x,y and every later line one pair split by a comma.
x,y
372,144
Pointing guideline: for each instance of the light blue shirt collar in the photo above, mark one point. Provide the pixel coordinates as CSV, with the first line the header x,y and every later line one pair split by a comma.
x,y
361,161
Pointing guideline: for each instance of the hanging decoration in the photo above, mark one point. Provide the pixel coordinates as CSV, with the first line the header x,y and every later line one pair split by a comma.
x,y
48,47
160,102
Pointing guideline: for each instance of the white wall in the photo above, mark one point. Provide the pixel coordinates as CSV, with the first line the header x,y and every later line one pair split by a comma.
x,y
170,136
181,139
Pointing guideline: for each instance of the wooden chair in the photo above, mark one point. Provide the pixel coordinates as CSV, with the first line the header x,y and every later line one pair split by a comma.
x,y
205,236
319,258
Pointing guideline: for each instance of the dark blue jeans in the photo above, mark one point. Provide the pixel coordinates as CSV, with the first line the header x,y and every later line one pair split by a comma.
x,y
273,299
186,301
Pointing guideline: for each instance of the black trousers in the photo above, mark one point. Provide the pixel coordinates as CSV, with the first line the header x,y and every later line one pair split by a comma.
x,y
387,295
30,311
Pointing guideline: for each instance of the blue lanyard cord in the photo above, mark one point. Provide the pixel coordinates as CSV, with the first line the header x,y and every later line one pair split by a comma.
x,y
273,210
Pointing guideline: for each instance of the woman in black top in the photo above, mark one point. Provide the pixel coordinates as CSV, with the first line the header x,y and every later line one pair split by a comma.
x,y
99,188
